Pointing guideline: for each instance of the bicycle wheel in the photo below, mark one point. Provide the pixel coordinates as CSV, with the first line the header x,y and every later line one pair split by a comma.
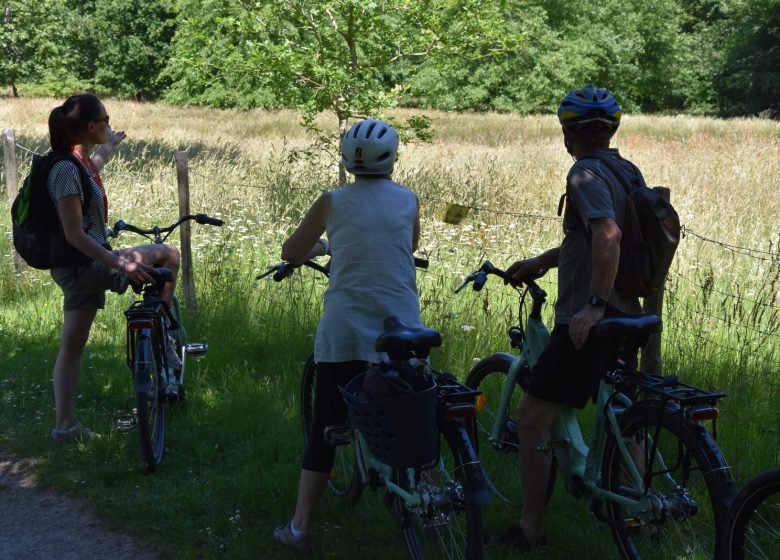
x,y
445,525
344,479
499,459
754,530
150,410
685,478
179,337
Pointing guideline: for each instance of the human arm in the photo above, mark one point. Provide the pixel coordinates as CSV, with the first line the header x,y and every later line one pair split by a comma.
x,y
113,139
416,228
605,243
69,208
525,268
304,243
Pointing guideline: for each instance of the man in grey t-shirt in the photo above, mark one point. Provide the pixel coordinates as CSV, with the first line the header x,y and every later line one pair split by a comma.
x,y
569,369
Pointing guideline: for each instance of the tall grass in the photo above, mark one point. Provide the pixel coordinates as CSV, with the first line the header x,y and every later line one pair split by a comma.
x,y
234,450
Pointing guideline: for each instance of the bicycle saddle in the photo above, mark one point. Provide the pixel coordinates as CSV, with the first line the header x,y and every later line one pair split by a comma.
x,y
633,326
163,275
398,338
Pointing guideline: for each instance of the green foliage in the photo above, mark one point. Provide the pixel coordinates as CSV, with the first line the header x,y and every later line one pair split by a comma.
x,y
134,46
749,81
28,38
356,58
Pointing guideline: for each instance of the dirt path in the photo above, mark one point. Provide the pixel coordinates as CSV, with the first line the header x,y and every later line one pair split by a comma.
x,y
40,524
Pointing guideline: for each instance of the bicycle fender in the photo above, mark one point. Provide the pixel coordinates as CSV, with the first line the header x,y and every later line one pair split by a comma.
x,y
468,462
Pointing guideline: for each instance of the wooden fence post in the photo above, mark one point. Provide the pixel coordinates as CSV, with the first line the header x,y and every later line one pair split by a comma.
x,y
187,277
651,354
11,180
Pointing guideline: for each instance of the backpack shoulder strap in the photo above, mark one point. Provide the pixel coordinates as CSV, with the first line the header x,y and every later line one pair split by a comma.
x,y
617,170
86,185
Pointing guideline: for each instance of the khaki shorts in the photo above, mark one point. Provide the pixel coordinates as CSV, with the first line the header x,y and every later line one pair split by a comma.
x,y
84,287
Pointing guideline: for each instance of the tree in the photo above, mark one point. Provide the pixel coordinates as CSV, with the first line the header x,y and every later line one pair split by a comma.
x,y
329,55
749,81
134,39
28,34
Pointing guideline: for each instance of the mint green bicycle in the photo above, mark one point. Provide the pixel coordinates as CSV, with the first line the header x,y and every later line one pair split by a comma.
x,y
652,472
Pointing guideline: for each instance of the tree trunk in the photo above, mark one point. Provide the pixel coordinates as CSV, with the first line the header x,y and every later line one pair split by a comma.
x,y
343,122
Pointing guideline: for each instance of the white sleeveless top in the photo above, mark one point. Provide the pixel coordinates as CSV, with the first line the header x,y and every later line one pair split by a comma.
x,y
372,274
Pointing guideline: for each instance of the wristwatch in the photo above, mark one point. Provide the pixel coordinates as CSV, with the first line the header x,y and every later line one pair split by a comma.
x,y
596,301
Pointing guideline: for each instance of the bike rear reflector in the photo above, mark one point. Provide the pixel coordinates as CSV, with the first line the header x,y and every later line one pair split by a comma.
x,y
699,414
481,402
138,325
460,411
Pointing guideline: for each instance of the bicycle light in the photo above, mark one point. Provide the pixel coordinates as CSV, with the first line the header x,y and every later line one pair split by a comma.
x,y
481,402
705,413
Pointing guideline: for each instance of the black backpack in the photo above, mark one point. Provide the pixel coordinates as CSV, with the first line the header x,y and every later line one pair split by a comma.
x,y
650,234
37,230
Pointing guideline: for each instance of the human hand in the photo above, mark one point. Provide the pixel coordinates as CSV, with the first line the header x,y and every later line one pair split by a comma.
x,y
113,138
138,272
582,322
523,269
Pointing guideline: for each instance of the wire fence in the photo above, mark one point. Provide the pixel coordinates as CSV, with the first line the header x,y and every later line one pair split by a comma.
x,y
770,332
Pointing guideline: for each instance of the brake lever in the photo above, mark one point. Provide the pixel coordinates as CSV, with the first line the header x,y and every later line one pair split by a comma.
x,y
270,271
469,278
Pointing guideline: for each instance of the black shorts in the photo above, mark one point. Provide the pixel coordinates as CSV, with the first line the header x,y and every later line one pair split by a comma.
x,y
329,410
567,376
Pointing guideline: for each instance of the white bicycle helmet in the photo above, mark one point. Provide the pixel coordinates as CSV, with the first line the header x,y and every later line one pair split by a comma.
x,y
369,148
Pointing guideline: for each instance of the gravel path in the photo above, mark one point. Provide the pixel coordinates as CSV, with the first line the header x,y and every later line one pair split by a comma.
x,y
38,524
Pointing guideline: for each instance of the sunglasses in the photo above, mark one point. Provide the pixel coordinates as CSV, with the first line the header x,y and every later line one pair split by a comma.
x,y
104,119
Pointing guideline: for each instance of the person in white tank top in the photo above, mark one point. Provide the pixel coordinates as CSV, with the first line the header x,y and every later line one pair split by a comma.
x,y
373,228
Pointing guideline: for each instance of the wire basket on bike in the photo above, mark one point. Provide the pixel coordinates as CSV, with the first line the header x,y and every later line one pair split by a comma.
x,y
399,429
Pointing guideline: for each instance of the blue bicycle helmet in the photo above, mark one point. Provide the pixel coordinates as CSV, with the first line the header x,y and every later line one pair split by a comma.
x,y
590,105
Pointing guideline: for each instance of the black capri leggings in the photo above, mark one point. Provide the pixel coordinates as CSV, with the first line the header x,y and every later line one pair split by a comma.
x,y
329,410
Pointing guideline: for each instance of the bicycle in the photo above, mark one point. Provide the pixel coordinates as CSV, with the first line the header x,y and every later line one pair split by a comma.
x,y
652,472
435,496
150,321
754,528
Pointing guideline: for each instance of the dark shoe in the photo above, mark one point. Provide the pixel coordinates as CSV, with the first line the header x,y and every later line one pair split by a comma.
x,y
513,537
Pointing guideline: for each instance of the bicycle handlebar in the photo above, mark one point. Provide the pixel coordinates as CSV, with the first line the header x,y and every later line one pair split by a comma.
x,y
284,269
479,278
204,219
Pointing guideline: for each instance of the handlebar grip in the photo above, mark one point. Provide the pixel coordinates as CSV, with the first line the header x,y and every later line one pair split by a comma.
x,y
421,263
205,219
283,273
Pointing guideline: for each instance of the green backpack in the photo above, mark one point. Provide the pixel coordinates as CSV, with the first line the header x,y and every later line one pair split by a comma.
x,y
37,230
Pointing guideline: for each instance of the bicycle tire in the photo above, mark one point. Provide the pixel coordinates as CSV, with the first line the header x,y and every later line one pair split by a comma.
x,y
150,404
448,526
180,340
344,480
489,376
754,527
692,497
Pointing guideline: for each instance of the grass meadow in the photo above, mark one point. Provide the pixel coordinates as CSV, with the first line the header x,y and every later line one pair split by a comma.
x,y
233,451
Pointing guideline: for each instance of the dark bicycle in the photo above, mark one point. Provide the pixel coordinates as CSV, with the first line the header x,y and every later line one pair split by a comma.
x,y
150,323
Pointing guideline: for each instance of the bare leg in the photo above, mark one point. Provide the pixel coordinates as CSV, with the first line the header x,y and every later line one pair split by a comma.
x,y
156,255
535,418
75,333
311,487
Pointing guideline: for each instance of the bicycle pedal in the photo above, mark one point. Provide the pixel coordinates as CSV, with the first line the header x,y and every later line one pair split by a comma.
x,y
547,446
196,349
124,423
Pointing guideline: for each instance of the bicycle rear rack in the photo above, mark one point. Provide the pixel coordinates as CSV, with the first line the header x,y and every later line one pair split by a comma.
x,y
668,388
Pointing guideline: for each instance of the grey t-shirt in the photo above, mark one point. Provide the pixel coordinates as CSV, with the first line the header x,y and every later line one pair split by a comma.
x,y
593,193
